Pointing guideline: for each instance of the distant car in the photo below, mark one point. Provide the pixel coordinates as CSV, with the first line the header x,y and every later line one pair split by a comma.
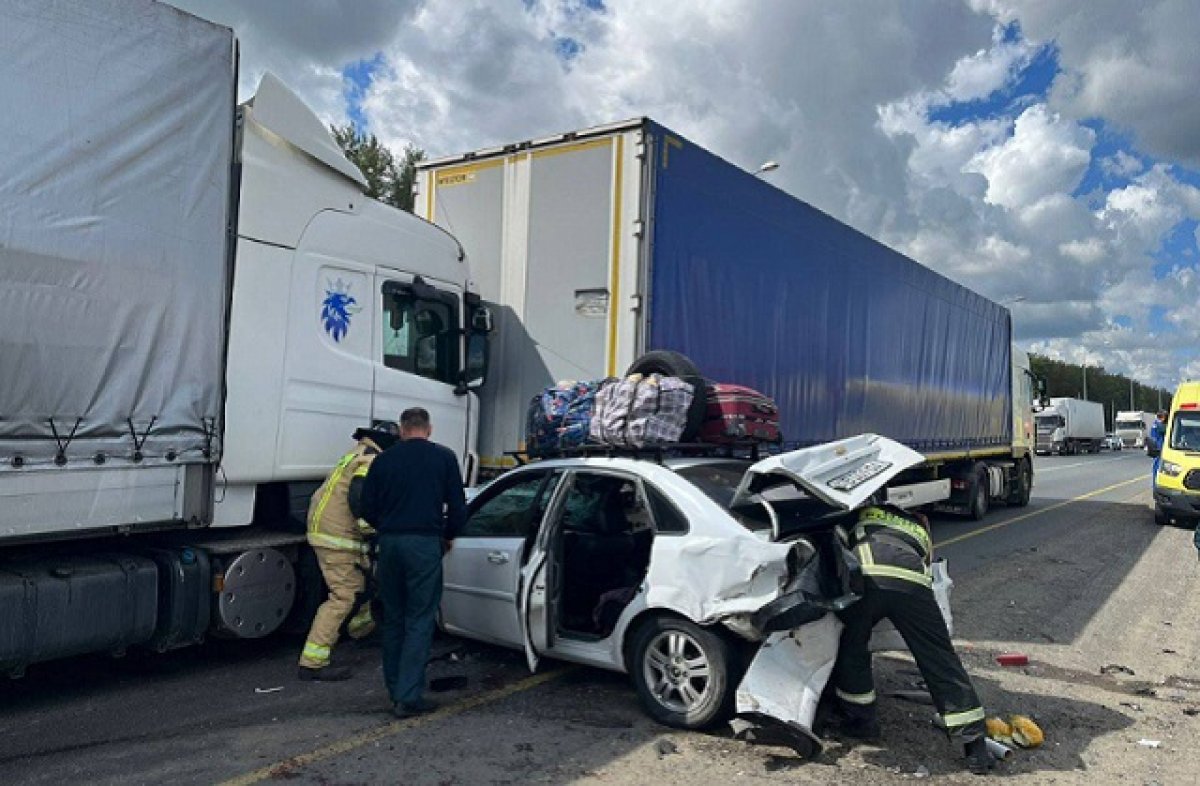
x,y
1112,442
649,568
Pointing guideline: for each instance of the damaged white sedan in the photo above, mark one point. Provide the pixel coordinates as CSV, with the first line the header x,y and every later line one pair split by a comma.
x,y
709,581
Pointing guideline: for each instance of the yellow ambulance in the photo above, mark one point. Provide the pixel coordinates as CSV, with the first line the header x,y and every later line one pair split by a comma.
x,y
1177,481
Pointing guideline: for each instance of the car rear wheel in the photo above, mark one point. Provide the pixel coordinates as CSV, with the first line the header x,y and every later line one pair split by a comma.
x,y
682,673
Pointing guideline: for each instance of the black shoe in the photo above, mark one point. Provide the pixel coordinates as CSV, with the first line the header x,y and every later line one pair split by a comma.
x,y
325,674
412,709
866,729
979,759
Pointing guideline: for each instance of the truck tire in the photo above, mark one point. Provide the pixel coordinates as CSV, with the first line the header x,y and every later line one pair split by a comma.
x,y
1019,497
684,674
674,364
977,507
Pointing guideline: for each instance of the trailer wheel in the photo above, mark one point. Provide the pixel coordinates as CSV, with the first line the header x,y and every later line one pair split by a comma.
x,y
979,493
675,364
1020,495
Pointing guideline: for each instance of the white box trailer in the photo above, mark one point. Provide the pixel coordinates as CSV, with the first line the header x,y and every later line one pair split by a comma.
x,y
601,244
1070,425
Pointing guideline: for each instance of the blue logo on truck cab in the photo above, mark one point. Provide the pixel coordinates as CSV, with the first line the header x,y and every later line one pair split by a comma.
x,y
337,308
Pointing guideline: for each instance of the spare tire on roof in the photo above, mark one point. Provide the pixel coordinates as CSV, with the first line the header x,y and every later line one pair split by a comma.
x,y
674,364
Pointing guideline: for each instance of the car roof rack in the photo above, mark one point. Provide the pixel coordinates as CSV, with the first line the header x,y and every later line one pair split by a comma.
x,y
750,450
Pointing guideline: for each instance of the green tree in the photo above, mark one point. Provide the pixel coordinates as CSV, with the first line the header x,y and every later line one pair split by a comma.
x,y
389,179
1112,390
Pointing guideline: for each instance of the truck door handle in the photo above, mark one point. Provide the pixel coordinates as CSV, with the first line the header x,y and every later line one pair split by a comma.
x,y
497,557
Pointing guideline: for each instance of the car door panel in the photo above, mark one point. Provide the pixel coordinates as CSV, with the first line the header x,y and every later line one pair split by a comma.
x,y
483,571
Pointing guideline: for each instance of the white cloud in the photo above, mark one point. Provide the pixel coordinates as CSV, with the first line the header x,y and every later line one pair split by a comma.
x,y
1133,63
1046,155
1121,164
840,93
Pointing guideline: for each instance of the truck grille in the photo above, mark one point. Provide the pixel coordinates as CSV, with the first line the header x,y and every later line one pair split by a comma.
x,y
1191,480
1129,442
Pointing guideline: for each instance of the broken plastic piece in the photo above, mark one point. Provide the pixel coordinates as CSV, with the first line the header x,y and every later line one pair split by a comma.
x,y
1150,743
1012,659
268,690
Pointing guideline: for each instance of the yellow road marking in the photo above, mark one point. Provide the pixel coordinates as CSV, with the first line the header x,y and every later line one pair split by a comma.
x,y
1031,514
368,736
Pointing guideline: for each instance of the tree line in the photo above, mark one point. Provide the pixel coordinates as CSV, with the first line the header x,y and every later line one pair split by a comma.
x,y
390,177
1111,390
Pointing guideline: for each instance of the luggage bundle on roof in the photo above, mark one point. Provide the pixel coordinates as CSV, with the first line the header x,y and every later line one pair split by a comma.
x,y
663,401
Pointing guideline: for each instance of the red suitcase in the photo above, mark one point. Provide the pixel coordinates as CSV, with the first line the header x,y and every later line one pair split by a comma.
x,y
739,414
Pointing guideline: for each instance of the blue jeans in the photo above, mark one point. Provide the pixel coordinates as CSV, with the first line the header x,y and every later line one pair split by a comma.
x,y
410,588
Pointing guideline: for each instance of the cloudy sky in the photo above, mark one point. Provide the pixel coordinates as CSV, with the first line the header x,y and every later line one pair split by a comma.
x,y
1044,154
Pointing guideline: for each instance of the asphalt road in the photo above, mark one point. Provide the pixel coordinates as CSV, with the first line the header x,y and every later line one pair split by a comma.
x,y
1078,580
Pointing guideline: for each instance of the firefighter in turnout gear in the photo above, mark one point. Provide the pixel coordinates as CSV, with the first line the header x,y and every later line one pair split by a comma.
x,y
895,550
339,539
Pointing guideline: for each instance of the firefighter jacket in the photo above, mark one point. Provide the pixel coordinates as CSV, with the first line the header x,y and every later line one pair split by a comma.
x,y
331,522
892,545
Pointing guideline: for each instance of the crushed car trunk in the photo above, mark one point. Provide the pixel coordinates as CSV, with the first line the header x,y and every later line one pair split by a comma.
x,y
806,494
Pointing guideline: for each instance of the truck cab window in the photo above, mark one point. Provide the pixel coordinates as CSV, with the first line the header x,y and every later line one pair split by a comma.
x,y
420,335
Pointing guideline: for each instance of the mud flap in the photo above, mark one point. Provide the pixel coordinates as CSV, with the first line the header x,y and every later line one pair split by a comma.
x,y
778,697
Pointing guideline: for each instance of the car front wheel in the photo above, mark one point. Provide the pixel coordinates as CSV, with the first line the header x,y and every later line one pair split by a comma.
x,y
682,673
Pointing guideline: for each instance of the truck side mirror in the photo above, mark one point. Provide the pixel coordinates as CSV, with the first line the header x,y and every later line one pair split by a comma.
x,y
476,368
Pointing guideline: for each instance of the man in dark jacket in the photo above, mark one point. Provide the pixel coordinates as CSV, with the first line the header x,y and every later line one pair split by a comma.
x,y
413,497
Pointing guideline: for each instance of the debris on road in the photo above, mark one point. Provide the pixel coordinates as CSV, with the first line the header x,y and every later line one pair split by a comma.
x,y
1012,659
998,729
921,772
1132,705
998,750
1150,743
666,748
1116,668
1146,692
1025,732
1191,712
268,690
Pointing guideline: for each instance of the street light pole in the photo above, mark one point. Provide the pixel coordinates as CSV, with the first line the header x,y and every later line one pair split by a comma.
x,y
1131,406
1085,380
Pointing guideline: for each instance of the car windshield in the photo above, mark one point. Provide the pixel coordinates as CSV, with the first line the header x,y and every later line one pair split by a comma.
x,y
1185,431
718,481
1131,424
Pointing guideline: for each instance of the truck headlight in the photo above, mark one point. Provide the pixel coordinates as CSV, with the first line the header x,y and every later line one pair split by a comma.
x,y
1170,469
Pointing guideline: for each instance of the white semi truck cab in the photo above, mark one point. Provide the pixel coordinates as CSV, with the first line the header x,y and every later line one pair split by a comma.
x,y
200,308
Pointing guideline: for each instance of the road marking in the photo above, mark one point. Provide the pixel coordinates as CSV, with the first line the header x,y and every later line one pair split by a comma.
x,y
368,736
1076,464
1031,514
